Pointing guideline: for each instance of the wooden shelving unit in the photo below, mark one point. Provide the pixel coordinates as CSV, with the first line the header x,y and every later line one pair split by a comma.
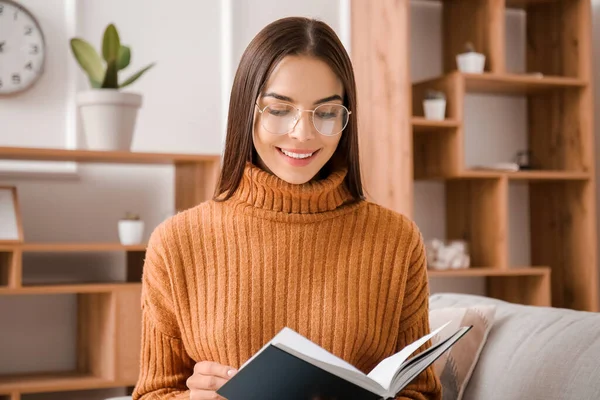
x,y
109,315
557,86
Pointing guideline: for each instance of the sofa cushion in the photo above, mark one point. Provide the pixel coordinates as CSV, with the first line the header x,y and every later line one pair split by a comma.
x,y
533,352
456,365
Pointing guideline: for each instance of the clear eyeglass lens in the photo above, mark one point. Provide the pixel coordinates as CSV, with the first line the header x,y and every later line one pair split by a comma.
x,y
328,119
279,118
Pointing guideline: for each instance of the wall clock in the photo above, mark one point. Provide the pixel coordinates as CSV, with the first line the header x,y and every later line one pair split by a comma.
x,y
22,48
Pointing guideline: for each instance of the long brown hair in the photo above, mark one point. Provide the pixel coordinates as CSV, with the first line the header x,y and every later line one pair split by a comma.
x,y
281,38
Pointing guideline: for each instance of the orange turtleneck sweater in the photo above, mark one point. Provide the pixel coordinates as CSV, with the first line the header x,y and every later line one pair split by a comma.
x,y
222,278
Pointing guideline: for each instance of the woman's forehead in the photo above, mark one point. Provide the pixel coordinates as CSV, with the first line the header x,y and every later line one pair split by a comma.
x,y
303,79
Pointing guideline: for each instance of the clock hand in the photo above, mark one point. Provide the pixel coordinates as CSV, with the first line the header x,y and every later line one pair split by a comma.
x,y
2,46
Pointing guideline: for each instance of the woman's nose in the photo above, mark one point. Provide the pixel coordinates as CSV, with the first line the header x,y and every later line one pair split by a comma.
x,y
304,129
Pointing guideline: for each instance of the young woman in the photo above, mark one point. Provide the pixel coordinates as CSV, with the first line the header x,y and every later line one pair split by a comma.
x,y
288,240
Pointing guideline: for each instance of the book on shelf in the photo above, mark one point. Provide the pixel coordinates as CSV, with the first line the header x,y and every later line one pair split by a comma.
x,y
291,367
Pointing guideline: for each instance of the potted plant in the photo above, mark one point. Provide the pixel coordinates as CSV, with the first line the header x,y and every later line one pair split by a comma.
x,y
108,113
131,229
470,61
434,105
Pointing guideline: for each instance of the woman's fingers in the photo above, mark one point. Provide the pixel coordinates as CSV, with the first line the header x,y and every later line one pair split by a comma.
x,y
205,382
213,368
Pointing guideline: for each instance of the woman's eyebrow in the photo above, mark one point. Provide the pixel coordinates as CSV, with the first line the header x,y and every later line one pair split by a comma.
x,y
290,100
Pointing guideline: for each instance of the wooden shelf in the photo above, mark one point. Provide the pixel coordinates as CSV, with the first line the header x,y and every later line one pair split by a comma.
x,y
489,272
54,382
532,176
92,156
559,135
75,288
527,175
525,3
505,83
421,124
516,83
77,247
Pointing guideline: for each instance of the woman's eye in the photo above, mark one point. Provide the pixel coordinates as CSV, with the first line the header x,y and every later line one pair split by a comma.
x,y
279,113
326,115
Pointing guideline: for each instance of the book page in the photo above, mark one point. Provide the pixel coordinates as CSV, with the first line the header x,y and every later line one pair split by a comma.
x,y
293,340
415,366
386,370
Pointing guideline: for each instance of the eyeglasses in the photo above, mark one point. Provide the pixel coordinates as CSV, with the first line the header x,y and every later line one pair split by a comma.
x,y
282,118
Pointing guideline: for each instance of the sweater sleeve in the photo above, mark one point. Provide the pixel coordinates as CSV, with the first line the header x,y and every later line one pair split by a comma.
x,y
414,324
164,364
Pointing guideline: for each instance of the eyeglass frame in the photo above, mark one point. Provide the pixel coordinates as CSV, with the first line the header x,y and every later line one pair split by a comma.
x,y
298,119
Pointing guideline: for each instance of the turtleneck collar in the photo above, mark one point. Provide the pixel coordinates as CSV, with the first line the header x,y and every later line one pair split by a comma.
x,y
267,191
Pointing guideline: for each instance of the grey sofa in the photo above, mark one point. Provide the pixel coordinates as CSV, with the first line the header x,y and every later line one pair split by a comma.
x,y
533,352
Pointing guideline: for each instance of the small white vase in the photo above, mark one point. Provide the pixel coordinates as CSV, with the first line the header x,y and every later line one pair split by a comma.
x,y
131,232
471,62
434,109
109,118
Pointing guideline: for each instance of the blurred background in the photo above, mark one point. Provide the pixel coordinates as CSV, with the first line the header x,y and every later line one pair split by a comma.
x,y
196,46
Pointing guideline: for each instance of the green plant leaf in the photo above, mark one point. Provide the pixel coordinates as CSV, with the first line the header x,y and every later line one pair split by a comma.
x,y
124,57
111,79
135,76
95,84
111,43
88,58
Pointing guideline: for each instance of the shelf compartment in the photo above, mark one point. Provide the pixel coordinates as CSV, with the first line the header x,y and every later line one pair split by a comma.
x,y
521,285
109,328
421,125
522,289
79,288
434,155
10,268
108,347
563,236
476,212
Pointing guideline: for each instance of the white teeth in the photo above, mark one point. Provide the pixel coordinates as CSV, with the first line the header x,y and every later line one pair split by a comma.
x,y
296,155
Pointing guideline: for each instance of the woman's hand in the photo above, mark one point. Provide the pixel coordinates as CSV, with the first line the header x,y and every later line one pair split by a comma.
x,y
208,377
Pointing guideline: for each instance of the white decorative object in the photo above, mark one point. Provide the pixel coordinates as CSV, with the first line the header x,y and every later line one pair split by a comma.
x,y
131,230
434,105
109,118
470,61
452,254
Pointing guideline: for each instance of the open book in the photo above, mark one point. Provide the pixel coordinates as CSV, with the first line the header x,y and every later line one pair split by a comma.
x,y
292,367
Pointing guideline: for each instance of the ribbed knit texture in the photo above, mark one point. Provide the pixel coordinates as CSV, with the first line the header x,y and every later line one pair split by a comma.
x,y
222,278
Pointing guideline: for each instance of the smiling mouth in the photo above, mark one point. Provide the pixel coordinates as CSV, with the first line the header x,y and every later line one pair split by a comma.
x,y
296,155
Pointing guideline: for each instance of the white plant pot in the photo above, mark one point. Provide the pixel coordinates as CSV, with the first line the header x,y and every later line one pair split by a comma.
x,y
435,109
131,232
109,118
471,62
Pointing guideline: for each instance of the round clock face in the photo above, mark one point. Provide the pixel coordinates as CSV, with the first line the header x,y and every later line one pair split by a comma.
x,y
22,48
